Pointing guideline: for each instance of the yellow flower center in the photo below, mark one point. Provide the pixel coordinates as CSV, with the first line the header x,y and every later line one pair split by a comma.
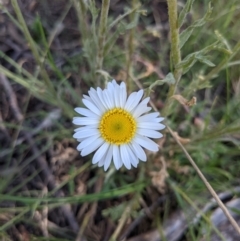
x,y
117,126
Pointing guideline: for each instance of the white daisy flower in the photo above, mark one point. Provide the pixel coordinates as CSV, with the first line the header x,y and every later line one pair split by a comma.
x,y
117,126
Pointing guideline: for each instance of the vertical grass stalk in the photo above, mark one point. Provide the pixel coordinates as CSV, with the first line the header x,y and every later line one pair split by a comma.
x,y
175,50
102,35
130,45
174,31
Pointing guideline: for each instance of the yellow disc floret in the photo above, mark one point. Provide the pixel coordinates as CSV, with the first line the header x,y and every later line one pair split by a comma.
x,y
117,126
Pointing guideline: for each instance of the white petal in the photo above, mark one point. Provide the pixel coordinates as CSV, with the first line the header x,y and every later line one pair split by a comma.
x,y
117,95
101,97
141,109
146,143
102,161
94,96
91,107
110,86
149,133
108,158
148,117
114,82
84,121
151,125
85,112
136,100
86,128
158,119
87,142
123,94
85,132
144,101
110,96
80,139
106,99
88,98
130,100
125,157
133,158
139,152
116,157
100,153
92,147
123,85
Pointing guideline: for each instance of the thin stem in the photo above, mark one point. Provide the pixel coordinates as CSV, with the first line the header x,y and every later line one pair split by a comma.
x,y
174,31
175,50
209,187
31,44
121,223
102,35
124,217
130,45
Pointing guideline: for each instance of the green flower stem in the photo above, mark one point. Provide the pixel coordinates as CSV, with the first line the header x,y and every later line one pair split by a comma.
x,y
175,50
32,45
102,35
130,45
174,31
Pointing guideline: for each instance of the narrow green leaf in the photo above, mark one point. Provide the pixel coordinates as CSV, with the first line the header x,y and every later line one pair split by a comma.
x,y
120,191
132,24
184,36
192,58
223,40
169,79
186,9
205,18
113,38
205,60
188,60
120,17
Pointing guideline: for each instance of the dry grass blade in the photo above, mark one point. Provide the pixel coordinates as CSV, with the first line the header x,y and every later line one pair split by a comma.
x,y
209,187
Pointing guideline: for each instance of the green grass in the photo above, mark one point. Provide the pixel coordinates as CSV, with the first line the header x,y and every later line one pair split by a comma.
x,y
208,70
